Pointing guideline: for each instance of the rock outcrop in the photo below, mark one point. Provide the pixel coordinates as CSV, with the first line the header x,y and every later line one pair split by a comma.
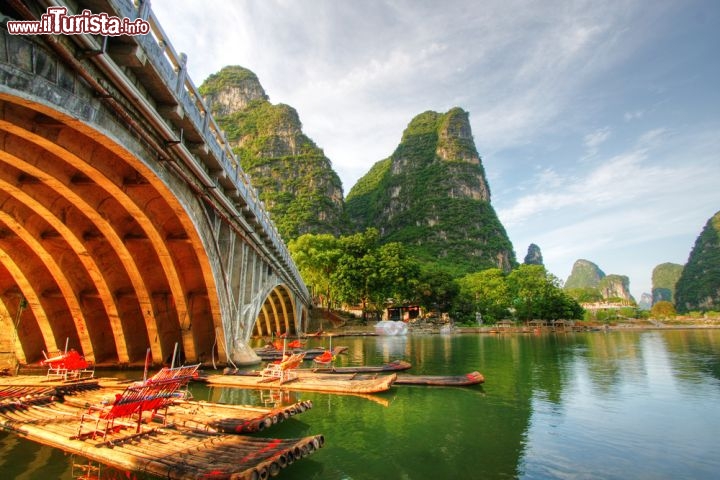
x,y
431,194
646,301
616,287
534,255
232,90
293,176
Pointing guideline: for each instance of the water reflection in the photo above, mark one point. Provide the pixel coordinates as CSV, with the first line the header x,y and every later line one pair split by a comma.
x,y
391,347
602,405
627,412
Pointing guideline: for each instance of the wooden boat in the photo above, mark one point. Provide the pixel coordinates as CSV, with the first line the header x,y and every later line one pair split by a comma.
x,y
316,382
270,353
395,366
472,378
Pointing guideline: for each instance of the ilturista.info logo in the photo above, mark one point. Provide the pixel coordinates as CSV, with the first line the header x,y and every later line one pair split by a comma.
x,y
56,21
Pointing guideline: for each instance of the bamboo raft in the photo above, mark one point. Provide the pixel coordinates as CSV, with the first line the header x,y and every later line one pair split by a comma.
x,y
208,416
187,442
175,453
329,383
220,417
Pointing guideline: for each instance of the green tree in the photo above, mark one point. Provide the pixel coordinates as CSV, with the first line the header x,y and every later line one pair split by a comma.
x,y
488,292
371,274
395,279
663,309
436,290
585,295
316,256
355,267
536,294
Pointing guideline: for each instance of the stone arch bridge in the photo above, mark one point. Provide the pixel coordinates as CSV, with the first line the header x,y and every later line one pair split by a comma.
x,y
126,222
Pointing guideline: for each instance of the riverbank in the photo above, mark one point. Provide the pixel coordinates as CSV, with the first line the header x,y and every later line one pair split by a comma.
x,y
532,327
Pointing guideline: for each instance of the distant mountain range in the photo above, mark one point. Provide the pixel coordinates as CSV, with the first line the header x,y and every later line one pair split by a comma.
x,y
586,275
431,194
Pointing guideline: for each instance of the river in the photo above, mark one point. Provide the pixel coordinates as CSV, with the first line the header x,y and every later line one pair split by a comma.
x,y
595,405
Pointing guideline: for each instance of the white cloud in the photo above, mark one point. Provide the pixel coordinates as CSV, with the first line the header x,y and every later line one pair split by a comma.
x,y
628,214
547,84
592,141
634,115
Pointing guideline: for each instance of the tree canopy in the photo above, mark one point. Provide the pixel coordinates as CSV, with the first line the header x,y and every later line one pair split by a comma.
x,y
526,293
356,269
360,270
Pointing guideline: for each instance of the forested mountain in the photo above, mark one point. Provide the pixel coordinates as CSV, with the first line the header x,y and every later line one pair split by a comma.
x,y
664,279
432,196
293,176
588,283
698,287
585,274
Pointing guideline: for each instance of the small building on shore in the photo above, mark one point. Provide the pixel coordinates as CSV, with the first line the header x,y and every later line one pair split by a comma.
x,y
404,313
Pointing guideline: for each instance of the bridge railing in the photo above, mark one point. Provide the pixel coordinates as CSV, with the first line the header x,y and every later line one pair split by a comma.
x,y
171,66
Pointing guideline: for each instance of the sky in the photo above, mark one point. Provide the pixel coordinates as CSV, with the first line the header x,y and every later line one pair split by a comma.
x,y
598,123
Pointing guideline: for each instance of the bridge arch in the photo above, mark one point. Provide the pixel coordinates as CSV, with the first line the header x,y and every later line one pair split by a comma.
x,y
113,236
99,205
278,313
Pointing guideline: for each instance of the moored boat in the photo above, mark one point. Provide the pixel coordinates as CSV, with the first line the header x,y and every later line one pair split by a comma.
x,y
395,366
269,353
472,378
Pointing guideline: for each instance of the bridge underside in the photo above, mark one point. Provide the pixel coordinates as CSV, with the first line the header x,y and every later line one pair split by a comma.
x,y
125,225
97,253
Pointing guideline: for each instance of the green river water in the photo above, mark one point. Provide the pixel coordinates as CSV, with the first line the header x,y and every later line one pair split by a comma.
x,y
596,405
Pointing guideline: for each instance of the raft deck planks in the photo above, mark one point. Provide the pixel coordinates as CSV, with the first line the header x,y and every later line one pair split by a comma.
x,y
219,417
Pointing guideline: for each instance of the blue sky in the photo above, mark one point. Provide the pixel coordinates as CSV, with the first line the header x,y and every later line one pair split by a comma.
x,y
598,122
